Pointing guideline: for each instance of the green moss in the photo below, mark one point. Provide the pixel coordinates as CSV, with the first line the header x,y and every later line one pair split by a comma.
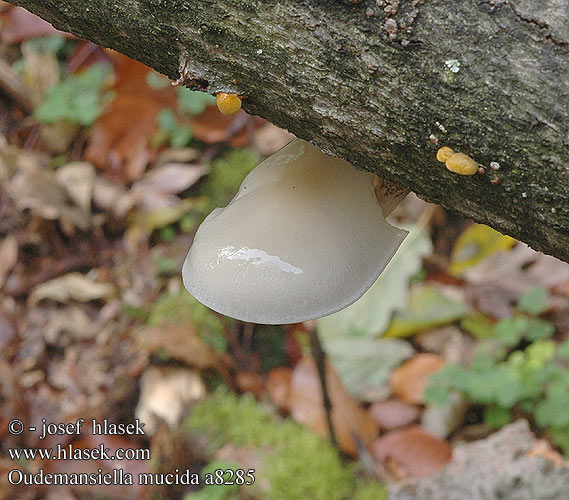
x,y
183,309
226,175
306,466
225,418
269,342
298,464
367,490
217,491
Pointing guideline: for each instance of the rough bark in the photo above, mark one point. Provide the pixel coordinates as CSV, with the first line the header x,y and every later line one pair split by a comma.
x,y
508,465
378,83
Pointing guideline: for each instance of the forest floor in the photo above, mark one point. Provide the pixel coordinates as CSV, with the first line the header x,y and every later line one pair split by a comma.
x,y
106,171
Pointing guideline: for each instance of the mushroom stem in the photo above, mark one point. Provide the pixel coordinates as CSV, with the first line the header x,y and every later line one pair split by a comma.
x,y
320,358
388,195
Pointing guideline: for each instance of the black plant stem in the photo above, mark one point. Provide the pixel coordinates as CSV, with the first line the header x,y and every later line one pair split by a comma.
x,y
320,357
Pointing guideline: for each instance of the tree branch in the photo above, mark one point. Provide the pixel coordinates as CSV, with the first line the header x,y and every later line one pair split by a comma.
x,y
382,84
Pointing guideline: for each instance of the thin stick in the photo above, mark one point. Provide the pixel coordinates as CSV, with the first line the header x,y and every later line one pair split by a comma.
x,y
320,357
12,84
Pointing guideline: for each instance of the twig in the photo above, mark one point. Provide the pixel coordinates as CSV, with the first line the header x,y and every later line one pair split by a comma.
x,y
11,83
248,329
320,357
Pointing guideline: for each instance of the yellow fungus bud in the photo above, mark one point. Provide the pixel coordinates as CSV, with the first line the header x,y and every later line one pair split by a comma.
x,y
444,153
228,104
461,164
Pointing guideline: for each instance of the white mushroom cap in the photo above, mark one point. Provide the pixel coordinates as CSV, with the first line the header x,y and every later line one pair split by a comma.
x,y
303,238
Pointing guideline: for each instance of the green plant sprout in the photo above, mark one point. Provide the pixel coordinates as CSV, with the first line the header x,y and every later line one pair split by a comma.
x,y
517,368
77,99
171,131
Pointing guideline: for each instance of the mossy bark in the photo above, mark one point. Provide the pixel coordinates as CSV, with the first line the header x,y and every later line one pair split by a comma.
x,y
383,84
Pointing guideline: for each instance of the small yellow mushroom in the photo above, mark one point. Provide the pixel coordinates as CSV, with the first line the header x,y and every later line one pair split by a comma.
x,y
228,104
462,164
444,153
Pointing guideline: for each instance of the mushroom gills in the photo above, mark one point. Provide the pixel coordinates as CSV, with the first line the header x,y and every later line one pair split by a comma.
x,y
304,237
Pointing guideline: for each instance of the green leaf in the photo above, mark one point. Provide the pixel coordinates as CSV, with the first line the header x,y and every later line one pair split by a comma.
x,y
509,331
157,81
188,223
479,325
497,417
166,266
486,355
150,220
560,436
172,130
441,384
428,308
78,99
50,44
167,120
437,395
534,302
168,234
539,354
563,350
193,102
370,315
181,136
553,410
509,387
482,387
364,364
538,329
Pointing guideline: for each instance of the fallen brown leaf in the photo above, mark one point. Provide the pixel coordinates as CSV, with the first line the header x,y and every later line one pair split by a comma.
x,y
249,381
36,188
412,452
408,381
306,407
18,25
8,256
120,140
212,127
181,342
7,330
394,413
277,386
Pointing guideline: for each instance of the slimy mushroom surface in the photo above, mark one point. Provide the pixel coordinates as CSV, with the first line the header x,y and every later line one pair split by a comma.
x,y
459,163
304,237
462,164
444,153
228,104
